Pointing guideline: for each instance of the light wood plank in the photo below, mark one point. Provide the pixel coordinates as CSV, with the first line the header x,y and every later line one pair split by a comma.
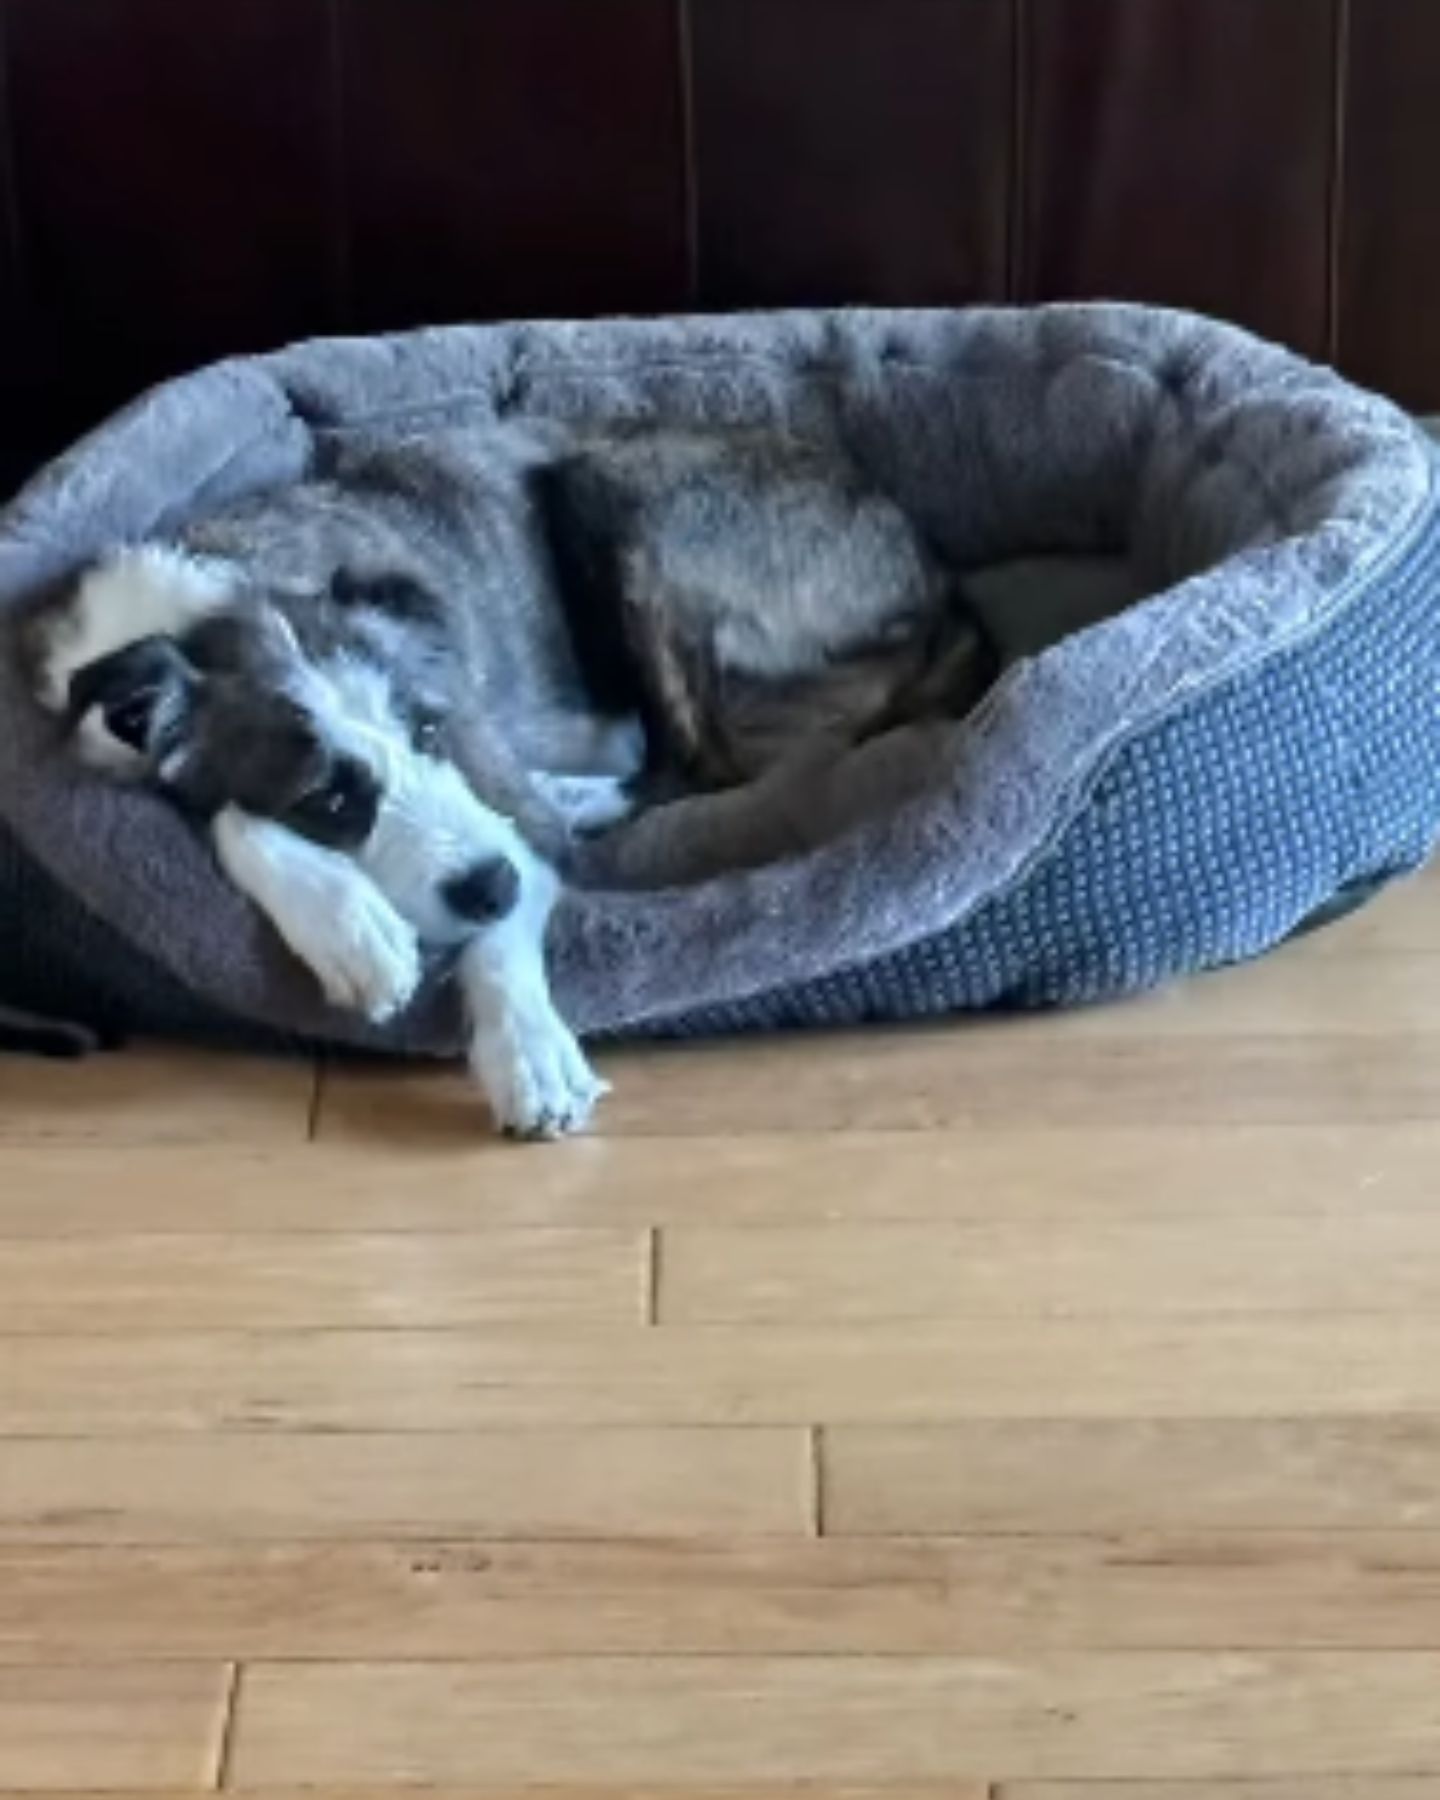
x,y
127,1284
1338,1787
767,1790
841,1718
155,1094
1133,1475
987,1172
1055,1070
549,1484
1296,990
1010,1173
148,1726
1361,1366
1405,918
1003,1595
865,1273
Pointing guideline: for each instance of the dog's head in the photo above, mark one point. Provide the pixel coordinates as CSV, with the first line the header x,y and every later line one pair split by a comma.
x,y
232,715
230,711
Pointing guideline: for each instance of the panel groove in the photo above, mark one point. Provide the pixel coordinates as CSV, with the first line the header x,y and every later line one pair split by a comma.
x,y
685,75
229,1714
1390,249
1018,198
1335,211
11,234
341,224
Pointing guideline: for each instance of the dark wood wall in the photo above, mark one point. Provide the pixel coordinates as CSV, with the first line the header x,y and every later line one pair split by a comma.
x,y
184,178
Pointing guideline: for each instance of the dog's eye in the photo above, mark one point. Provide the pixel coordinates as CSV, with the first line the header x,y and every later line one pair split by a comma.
x,y
325,805
340,808
130,720
426,732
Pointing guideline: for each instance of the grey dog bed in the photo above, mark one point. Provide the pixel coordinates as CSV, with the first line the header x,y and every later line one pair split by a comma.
x,y
1252,741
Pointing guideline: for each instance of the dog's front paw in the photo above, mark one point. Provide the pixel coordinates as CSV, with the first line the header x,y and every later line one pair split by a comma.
x,y
369,960
534,1074
586,804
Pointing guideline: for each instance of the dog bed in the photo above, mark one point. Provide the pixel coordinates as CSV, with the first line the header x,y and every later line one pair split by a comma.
x,y
1252,741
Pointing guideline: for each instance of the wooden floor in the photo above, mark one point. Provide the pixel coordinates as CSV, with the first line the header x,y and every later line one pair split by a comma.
x,y
1042,1410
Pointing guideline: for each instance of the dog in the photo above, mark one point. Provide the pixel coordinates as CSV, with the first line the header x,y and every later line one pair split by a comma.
x,y
403,693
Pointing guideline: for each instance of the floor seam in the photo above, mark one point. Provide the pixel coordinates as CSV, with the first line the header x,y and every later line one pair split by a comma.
x,y
225,1749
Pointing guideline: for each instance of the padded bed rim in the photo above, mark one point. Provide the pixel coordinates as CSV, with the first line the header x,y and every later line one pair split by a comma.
x,y
622,960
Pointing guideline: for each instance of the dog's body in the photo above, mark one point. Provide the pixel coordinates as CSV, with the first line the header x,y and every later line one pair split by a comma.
x,y
400,692
764,595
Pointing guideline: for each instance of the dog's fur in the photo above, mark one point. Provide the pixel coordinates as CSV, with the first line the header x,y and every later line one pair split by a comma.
x,y
401,692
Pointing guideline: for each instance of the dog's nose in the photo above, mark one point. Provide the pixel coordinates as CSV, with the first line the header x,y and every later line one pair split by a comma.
x,y
485,892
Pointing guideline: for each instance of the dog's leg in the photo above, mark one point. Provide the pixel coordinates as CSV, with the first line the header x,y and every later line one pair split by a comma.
x,y
522,1053
330,913
822,790
586,802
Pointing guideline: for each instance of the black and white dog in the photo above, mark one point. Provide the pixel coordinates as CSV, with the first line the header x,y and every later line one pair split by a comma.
x,y
401,693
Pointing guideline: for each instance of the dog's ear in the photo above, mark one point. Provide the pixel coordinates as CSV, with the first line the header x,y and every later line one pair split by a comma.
x,y
139,697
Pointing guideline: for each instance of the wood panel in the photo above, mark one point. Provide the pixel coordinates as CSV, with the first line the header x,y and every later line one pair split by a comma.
x,y
1358,1367
840,1718
531,155
1390,243
156,1726
1404,919
26,350
175,180
284,1281
1134,1474
1017,1172
488,1601
154,1095
1036,1073
1335,1787
871,1273
550,1484
850,152
767,1790
515,157
1183,151
1299,988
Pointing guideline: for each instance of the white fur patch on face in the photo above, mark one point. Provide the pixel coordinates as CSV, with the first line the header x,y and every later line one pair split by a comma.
x,y
148,590
348,694
431,827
